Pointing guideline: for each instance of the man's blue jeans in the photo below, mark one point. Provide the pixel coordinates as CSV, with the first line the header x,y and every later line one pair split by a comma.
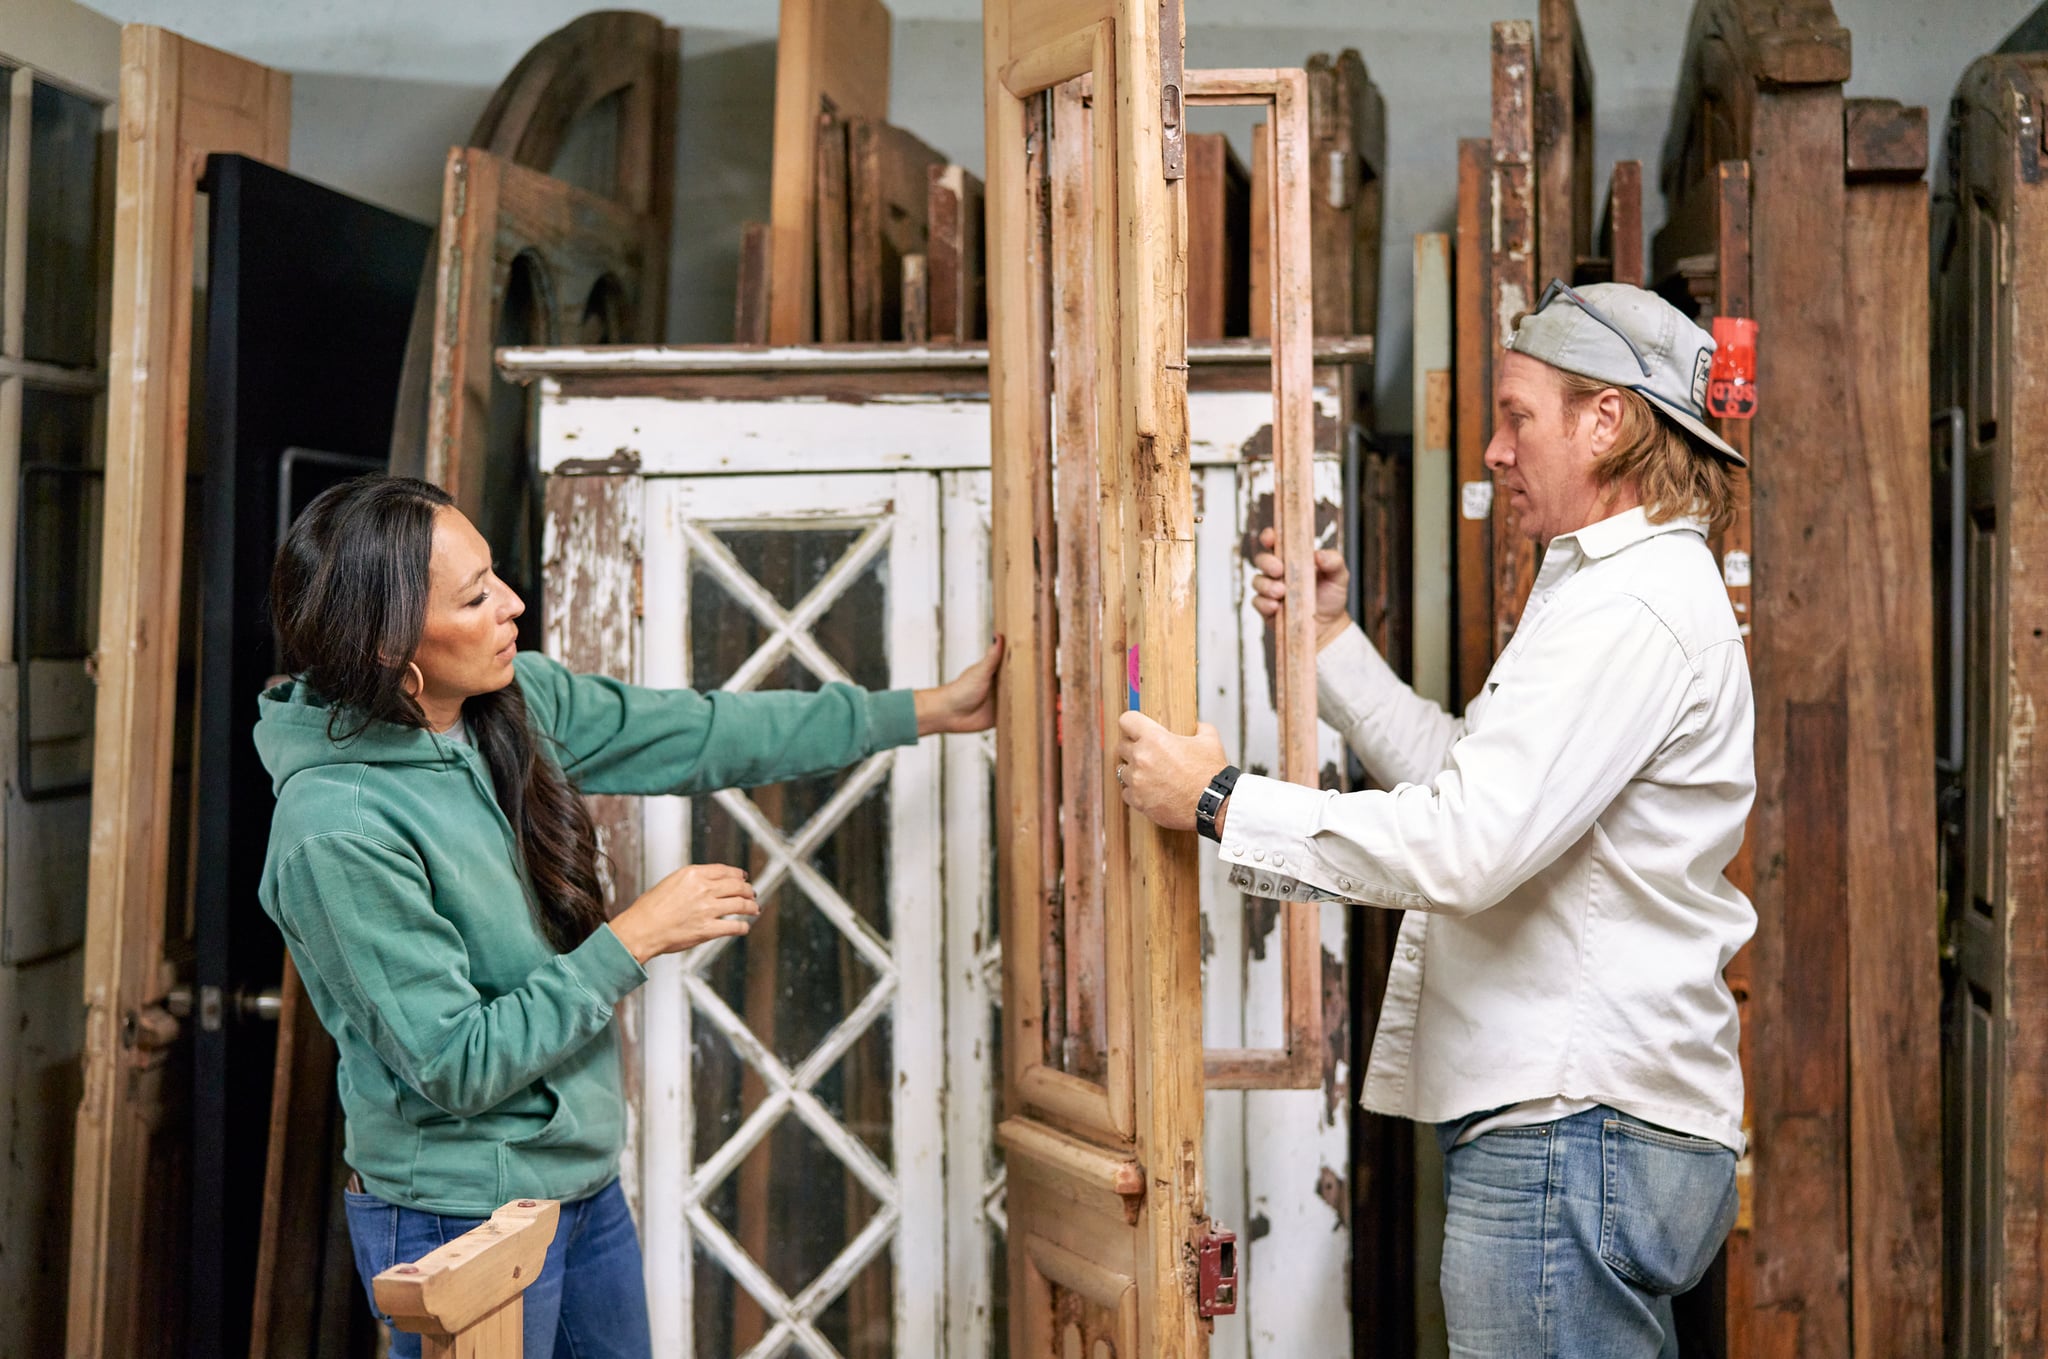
x,y
1568,1240
589,1300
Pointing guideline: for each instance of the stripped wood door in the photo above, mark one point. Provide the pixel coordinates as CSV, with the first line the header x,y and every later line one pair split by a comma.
x,y
180,102
1103,1134
1990,487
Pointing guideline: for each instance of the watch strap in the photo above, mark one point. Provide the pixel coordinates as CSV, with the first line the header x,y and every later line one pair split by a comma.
x,y
1212,799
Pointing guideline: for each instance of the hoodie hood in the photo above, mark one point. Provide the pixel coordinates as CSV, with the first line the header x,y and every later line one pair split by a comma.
x,y
292,737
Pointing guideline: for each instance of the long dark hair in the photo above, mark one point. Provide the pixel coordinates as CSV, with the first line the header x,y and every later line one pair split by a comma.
x,y
348,597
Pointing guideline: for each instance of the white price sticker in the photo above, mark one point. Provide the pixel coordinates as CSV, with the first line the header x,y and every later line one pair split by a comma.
x,y
1477,499
1735,569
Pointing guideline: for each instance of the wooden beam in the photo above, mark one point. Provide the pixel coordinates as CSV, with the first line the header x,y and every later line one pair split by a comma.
x,y
830,56
1564,144
1894,943
1514,284
1883,139
833,217
1623,229
750,306
888,176
474,1282
180,103
959,307
1219,239
1472,484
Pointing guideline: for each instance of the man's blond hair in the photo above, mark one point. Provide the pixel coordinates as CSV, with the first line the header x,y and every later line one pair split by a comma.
x,y
1673,477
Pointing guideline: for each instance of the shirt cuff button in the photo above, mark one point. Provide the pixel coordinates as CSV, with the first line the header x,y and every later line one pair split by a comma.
x,y
1259,854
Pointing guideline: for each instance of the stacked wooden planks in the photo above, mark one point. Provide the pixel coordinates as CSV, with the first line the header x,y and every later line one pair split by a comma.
x,y
1807,211
1526,216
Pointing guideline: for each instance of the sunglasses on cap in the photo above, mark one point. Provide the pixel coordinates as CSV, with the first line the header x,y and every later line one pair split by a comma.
x,y
1559,288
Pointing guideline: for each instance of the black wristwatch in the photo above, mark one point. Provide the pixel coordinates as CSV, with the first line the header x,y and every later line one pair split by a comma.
x,y
1212,800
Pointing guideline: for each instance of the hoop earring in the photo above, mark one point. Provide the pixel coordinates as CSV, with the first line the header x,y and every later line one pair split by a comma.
x,y
415,682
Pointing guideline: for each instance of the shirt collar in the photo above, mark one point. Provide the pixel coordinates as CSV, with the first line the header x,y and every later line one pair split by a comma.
x,y
1610,535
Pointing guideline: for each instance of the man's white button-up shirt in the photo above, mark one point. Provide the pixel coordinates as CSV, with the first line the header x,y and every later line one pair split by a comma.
x,y
1560,851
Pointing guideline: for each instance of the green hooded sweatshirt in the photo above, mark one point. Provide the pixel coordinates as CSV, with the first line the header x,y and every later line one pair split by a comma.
x,y
478,1064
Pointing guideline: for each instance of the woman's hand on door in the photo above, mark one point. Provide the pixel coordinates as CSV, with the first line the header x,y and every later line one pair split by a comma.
x,y
965,703
689,907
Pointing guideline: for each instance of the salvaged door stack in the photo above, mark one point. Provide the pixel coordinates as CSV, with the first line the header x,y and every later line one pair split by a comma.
x,y
1805,211
1990,490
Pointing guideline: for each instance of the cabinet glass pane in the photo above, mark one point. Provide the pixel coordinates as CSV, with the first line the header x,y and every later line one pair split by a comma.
x,y
61,309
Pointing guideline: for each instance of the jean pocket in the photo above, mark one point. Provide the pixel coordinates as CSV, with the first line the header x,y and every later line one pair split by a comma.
x,y
1667,1202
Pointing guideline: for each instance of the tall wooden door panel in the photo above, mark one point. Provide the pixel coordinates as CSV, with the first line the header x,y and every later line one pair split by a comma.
x,y
1989,494
1106,1199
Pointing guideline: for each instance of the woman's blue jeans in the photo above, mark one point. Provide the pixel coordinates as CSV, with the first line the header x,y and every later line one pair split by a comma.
x,y
1568,1240
588,1302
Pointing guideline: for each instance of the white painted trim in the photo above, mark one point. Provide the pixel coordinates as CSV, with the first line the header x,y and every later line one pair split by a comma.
x,y
527,363
972,990
704,436
917,929
1220,657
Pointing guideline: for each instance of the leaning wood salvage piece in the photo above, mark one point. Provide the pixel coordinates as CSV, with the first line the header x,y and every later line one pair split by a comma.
x,y
1991,482
1347,158
959,309
466,1299
1299,1064
519,250
1620,243
829,212
1515,285
888,193
831,56
1840,1256
1219,239
611,64
1564,144
750,306
180,103
1093,1269
1472,489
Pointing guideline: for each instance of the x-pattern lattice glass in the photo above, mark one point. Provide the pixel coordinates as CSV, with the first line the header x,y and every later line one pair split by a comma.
x,y
789,1090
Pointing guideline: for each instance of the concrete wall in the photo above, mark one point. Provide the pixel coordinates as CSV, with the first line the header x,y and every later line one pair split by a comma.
x,y
384,85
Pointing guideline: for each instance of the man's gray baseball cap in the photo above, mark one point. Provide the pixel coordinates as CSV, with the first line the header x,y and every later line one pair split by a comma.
x,y
1619,334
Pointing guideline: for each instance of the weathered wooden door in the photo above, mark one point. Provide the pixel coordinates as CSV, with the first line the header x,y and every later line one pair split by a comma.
x,y
1990,442
1102,962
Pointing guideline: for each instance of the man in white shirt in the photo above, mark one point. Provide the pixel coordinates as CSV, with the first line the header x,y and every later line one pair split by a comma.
x,y
1556,1004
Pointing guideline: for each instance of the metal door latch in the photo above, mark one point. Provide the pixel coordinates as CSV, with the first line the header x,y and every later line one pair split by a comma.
x,y
1216,1277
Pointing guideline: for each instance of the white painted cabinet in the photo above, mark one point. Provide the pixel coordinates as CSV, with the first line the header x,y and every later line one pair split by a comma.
x,y
814,1164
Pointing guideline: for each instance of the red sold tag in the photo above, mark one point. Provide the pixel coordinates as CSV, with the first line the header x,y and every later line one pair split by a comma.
x,y
1731,383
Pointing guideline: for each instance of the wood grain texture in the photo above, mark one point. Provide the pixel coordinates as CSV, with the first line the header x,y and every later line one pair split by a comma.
x,y
1473,335
959,309
1564,143
1261,266
467,1282
298,1178
1219,239
180,102
581,245
1514,285
1894,981
830,56
1884,139
1799,996
888,192
1622,231
750,304
833,219
624,60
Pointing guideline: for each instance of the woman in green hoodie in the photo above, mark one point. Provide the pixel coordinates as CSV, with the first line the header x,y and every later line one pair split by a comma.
x,y
435,875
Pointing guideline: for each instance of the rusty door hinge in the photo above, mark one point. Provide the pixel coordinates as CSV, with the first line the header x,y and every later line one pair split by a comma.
x,y
1216,1274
